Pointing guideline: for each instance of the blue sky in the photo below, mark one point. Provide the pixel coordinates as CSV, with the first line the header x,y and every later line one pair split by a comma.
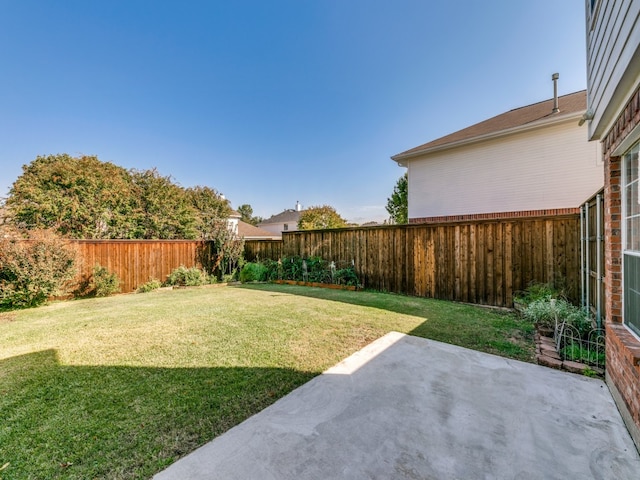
x,y
272,102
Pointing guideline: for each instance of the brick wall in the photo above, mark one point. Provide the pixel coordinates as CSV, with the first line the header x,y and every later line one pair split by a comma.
x,y
623,355
622,348
497,215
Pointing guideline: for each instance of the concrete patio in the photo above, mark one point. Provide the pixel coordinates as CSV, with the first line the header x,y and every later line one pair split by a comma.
x,y
410,408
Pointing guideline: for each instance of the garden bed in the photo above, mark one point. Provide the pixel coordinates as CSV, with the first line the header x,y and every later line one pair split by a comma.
x,y
547,355
567,336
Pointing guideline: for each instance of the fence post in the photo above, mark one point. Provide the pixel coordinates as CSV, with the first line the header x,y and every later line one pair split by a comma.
x,y
583,264
598,260
587,252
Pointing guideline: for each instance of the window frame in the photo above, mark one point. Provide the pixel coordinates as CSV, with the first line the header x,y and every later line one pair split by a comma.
x,y
627,189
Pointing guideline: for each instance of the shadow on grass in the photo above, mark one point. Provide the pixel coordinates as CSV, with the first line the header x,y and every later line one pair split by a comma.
x,y
471,326
83,422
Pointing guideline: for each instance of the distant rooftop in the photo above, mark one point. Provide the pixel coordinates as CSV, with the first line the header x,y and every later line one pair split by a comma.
x,y
289,215
249,232
573,103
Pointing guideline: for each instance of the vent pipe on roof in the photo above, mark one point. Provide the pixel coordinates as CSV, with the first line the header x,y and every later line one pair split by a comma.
x,y
555,77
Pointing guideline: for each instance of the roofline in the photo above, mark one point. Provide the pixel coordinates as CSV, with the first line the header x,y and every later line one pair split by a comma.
x,y
555,119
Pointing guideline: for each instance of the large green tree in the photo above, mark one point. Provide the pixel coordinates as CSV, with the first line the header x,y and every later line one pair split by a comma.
x,y
80,197
246,214
398,203
212,210
320,217
163,209
86,198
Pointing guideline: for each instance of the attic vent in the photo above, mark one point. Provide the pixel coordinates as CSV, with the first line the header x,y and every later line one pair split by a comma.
x,y
555,77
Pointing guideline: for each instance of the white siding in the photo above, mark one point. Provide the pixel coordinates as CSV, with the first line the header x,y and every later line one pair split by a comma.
x,y
613,60
278,228
547,168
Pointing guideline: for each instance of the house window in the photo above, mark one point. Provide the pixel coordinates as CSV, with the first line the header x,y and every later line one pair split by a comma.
x,y
631,240
286,227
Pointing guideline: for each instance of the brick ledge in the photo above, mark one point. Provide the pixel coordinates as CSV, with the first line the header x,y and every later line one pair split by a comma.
x,y
627,339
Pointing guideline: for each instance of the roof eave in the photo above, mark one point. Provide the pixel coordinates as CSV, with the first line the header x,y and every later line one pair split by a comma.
x,y
402,158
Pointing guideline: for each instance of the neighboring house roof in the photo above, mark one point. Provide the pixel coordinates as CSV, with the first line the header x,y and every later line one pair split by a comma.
x,y
287,216
251,232
531,116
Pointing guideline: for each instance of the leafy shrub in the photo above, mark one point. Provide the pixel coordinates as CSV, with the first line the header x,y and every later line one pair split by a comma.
x,y
103,282
35,269
347,276
318,270
223,256
536,291
229,277
292,268
546,310
253,272
187,277
151,285
274,270
580,319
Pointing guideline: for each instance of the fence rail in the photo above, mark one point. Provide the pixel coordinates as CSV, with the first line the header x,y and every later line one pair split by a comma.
x,y
482,262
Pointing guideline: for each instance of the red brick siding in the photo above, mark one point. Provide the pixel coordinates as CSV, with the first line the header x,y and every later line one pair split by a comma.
x,y
623,366
622,348
496,215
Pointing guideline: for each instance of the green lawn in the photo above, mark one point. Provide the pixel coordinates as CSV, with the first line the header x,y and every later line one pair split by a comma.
x,y
121,387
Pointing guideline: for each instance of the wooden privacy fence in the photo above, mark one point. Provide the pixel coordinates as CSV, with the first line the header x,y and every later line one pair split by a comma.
x,y
482,262
262,250
137,261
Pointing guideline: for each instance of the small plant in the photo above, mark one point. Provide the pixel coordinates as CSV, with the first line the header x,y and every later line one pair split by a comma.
x,y
187,277
253,272
581,320
318,270
588,372
103,282
346,276
546,311
151,285
292,268
274,270
228,277
577,353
